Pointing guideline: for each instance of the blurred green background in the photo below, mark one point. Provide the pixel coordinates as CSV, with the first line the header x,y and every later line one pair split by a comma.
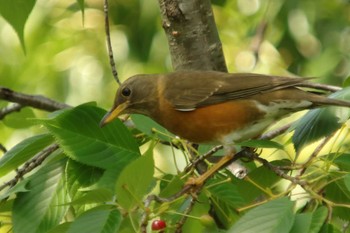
x,y
66,57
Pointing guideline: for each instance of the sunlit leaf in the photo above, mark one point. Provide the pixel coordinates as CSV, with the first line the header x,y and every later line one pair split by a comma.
x,y
273,217
319,123
16,13
42,207
314,125
135,181
23,151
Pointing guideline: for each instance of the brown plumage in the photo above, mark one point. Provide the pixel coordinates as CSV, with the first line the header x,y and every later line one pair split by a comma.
x,y
208,106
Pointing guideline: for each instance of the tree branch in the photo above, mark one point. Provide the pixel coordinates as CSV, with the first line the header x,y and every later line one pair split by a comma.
x,y
36,101
192,35
9,109
30,165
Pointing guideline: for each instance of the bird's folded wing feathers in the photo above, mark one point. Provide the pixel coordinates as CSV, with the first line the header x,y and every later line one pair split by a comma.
x,y
207,90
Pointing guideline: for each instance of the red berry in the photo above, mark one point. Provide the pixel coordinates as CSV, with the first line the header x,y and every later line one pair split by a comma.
x,y
158,225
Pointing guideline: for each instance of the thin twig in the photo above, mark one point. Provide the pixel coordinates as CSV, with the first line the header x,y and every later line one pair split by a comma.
x,y
274,133
258,37
150,198
109,44
36,101
186,213
276,169
315,153
30,165
2,148
9,109
201,158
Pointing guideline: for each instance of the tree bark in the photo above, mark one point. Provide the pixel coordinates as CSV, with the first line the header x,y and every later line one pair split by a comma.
x,y
193,38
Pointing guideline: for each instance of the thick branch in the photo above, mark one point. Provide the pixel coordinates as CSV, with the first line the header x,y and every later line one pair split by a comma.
x,y
36,101
192,35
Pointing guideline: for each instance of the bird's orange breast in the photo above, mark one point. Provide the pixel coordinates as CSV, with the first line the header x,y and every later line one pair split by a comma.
x,y
210,123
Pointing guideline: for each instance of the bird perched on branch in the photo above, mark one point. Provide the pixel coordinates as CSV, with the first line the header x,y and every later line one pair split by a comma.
x,y
215,107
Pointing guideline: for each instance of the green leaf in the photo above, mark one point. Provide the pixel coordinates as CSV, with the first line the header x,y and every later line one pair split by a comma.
x,y
102,219
338,192
226,192
62,228
302,223
314,125
273,217
18,188
261,176
319,218
319,123
150,127
16,13
23,151
135,181
342,161
79,135
41,208
261,144
21,119
224,213
94,196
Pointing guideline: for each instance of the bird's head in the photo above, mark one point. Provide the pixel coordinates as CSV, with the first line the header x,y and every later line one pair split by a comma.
x,y
137,94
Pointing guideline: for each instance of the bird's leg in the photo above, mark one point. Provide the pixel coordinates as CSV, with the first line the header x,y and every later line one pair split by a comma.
x,y
217,166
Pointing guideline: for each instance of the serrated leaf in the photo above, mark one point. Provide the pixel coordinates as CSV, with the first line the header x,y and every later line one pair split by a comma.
x,y
273,217
102,219
135,181
261,144
79,135
314,125
225,199
23,151
223,213
318,123
16,13
226,193
42,207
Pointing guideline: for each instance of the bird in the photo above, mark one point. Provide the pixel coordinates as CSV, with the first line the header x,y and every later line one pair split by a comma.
x,y
216,107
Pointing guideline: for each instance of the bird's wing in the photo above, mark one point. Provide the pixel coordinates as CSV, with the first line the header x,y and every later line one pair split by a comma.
x,y
190,90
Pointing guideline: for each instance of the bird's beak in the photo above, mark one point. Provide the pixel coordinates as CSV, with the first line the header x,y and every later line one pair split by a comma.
x,y
114,113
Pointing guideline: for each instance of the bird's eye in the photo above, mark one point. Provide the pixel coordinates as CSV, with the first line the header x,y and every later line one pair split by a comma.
x,y
126,92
